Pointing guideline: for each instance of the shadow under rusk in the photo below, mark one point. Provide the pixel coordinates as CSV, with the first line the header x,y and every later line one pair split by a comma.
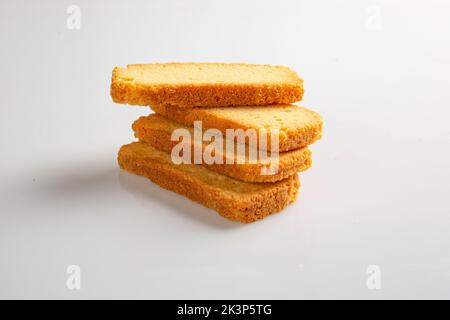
x,y
66,186
146,190
79,181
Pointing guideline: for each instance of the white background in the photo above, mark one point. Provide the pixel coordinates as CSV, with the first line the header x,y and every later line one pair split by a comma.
x,y
377,193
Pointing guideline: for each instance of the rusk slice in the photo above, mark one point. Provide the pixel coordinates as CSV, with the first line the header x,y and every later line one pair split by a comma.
x,y
205,84
231,198
157,130
297,126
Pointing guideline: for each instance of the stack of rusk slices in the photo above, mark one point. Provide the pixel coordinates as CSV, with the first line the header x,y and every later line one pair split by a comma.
x,y
200,142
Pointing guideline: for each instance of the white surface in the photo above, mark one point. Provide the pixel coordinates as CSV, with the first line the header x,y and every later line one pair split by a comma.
x,y
377,193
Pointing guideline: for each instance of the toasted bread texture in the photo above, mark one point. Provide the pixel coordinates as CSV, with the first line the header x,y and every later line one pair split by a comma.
x,y
236,200
157,131
205,84
295,126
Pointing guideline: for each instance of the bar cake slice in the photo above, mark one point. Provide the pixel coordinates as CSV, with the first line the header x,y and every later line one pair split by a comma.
x,y
297,126
205,84
236,200
157,130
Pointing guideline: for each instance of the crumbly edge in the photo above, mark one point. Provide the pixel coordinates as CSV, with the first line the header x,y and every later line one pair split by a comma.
x,y
214,95
299,160
243,208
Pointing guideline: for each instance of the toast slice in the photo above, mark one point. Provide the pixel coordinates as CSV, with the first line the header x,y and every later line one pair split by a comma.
x,y
236,200
205,84
157,130
297,126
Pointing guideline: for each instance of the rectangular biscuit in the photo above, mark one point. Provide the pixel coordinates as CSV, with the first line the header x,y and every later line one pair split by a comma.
x,y
297,127
205,84
157,131
236,200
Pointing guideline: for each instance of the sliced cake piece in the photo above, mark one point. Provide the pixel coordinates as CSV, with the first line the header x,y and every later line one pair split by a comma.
x,y
205,84
157,130
231,198
297,127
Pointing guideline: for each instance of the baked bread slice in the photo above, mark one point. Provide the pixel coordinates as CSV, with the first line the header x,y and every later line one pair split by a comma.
x,y
157,130
205,84
236,200
297,126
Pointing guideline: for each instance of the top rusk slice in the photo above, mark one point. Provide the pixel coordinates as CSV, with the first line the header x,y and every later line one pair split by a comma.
x,y
205,85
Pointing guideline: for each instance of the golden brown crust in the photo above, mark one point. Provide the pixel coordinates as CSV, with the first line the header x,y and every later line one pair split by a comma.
x,y
127,89
233,199
156,130
308,130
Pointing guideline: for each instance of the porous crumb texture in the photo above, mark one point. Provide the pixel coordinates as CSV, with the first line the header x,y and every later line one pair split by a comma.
x,y
236,200
205,84
297,126
157,130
